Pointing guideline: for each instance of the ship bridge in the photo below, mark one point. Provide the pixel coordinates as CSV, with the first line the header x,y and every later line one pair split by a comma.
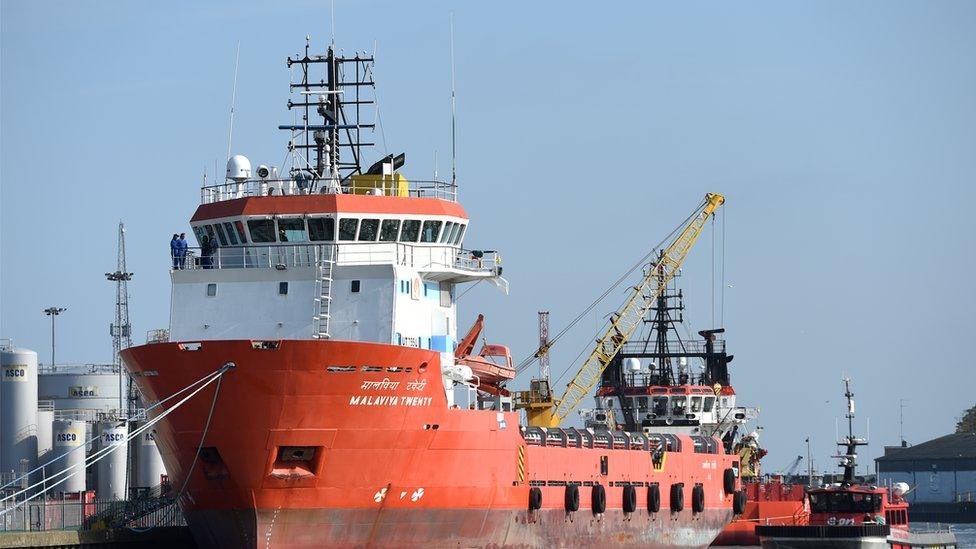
x,y
326,246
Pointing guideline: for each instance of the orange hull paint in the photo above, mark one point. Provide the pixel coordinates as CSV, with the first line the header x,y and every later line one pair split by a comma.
x,y
771,503
391,462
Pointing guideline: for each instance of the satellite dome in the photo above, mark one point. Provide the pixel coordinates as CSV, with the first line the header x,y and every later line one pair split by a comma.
x,y
632,364
238,168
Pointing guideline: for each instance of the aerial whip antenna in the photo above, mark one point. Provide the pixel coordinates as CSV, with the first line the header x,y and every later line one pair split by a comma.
x,y
233,100
453,112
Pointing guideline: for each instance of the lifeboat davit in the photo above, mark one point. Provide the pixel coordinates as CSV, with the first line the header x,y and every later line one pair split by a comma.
x,y
492,365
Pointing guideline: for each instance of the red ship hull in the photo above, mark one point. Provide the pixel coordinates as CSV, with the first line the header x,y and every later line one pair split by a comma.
x,y
770,503
386,462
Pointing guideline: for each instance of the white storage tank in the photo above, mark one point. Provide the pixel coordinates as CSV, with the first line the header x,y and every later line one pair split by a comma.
x,y
18,410
45,430
69,434
85,387
147,464
112,464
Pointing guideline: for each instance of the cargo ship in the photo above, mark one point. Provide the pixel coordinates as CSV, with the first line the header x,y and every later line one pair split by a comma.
x,y
347,412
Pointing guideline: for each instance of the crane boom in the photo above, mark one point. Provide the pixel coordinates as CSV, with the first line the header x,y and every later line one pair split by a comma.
x,y
625,321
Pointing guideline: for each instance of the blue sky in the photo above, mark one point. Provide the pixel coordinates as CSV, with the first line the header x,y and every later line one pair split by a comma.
x,y
843,135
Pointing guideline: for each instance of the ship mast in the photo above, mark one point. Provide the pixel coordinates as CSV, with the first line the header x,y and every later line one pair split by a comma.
x,y
334,96
848,460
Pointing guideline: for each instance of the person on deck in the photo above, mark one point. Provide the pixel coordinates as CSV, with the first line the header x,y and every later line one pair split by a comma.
x,y
182,251
174,250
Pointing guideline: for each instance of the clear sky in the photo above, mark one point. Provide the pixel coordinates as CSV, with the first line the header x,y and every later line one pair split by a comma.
x,y
843,134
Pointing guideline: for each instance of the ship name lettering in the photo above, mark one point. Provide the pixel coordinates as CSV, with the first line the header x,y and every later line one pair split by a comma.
x,y
417,385
369,400
386,384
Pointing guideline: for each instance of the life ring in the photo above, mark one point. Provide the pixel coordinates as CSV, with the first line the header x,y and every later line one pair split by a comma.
x,y
598,499
653,498
630,499
677,497
572,498
535,499
728,480
698,499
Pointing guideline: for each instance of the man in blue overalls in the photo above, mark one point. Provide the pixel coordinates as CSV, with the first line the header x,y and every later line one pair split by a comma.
x,y
182,250
174,250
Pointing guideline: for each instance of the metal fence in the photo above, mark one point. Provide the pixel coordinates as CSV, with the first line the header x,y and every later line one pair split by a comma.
x,y
232,190
285,256
77,514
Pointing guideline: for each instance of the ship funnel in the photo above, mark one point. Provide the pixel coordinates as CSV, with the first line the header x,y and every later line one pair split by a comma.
x,y
238,168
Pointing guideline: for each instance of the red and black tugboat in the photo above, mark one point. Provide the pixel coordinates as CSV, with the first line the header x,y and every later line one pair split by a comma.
x,y
852,515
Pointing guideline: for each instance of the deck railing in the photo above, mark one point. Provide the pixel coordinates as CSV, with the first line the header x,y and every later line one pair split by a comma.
x,y
286,187
285,256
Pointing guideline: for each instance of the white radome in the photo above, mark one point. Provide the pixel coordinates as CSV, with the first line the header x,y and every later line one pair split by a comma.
x,y
900,488
632,364
238,168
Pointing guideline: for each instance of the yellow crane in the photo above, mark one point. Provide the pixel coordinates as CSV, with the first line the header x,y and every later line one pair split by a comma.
x,y
542,409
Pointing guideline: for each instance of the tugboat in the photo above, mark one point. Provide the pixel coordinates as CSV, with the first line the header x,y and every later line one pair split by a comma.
x,y
852,515
328,312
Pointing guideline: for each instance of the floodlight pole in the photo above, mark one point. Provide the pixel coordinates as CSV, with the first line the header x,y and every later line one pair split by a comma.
x,y
53,312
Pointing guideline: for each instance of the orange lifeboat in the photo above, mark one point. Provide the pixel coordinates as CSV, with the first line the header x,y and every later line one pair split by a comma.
x,y
492,365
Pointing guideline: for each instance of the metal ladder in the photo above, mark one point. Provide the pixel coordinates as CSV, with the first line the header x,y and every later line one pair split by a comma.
x,y
323,299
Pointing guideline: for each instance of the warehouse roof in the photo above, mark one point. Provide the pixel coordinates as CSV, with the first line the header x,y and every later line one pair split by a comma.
x,y
953,446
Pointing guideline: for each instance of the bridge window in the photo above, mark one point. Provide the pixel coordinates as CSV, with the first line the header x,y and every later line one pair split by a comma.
x,y
411,230
262,230
452,238
354,287
198,231
291,229
212,290
389,230
678,405
220,234
282,288
696,404
321,229
231,236
446,237
460,236
431,231
347,228
660,406
368,230
709,404
241,235
641,403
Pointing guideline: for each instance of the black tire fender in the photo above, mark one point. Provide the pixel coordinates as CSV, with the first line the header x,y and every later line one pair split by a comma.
x,y
654,498
698,499
630,499
728,481
677,497
572,498
739,500
535,499
598,499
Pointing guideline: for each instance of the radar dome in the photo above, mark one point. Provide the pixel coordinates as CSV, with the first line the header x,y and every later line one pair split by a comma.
x,y
900,489
238,168
632,364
